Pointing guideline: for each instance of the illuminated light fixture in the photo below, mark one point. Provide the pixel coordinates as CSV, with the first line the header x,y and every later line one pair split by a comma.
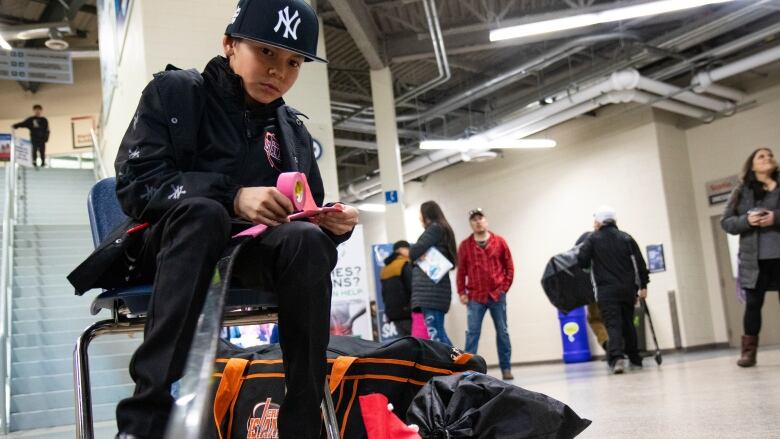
x,y
4,44
465,145
607,16
371,207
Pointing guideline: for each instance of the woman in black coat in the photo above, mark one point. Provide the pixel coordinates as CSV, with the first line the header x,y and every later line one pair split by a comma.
x,y
753,213
430,297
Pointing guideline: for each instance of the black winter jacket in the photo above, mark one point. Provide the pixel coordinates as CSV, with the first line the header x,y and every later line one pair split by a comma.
x,y
425,292
39,129
734,221
396,277
190,137
616,263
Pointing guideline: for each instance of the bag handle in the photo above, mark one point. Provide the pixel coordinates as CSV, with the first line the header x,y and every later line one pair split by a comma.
x,y
229,386
339,369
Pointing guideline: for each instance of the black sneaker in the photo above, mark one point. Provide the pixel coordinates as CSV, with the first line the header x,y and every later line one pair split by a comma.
x,y
635,363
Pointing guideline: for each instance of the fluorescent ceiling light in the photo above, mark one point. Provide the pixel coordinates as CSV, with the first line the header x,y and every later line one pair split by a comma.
x,y
607,16
371,207
4,44
465,145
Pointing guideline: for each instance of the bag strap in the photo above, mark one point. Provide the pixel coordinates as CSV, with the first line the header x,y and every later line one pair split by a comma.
x,y
339,369
229,385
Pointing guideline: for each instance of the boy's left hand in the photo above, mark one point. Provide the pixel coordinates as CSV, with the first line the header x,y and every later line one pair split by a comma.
x,y
339,223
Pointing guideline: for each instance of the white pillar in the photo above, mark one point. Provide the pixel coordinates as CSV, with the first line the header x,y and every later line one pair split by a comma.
x,y
389,153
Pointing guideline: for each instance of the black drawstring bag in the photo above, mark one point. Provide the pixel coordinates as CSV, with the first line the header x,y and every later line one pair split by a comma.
x,y
566,284
473,405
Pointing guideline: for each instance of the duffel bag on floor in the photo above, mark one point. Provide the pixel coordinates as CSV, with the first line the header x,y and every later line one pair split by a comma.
x,y
249,385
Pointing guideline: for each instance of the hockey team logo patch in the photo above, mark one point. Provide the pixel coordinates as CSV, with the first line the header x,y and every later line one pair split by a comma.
x,y
262,423
273,151
290,23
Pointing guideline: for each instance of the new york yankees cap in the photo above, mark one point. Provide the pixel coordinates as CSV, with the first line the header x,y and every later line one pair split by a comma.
x,y
287,24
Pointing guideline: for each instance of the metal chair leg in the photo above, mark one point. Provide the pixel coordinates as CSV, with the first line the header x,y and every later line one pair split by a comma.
x,y
81,386
329,414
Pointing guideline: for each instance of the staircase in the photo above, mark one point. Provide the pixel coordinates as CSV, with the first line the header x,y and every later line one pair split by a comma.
x,y
51,237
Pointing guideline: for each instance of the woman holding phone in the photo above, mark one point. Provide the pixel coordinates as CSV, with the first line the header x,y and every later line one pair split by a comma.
x,y
753,213
429,296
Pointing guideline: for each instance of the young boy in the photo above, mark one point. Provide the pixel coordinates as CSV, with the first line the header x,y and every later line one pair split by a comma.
x,y
39,133
199,162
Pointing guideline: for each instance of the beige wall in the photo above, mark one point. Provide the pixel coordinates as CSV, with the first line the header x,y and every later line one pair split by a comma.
x,y
188,34
60,103
718,150
541,201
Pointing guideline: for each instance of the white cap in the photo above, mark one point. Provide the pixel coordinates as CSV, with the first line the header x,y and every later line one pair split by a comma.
x,y
604,213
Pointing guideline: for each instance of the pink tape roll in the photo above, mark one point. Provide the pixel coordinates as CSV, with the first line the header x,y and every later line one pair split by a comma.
x,y
294,186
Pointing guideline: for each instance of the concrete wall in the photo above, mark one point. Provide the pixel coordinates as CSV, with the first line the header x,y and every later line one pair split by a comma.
x,y
60,103
718,150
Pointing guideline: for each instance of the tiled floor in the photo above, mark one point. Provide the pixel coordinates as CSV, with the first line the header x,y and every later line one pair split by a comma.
x,y
699,395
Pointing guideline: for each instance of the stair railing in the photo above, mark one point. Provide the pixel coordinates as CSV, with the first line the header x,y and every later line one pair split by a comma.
x,y
100,168
6,285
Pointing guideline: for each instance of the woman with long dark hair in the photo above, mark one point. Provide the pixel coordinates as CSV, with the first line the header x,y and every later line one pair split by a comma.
x,y
753,213
430,297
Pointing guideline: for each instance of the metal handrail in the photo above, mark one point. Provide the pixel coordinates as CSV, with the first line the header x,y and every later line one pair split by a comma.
x,y
100,169
6,286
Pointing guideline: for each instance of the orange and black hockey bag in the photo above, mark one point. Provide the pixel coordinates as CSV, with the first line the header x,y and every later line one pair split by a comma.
x,y
249,383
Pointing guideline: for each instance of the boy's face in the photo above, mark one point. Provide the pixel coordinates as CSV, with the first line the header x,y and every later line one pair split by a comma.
x,y
38,112
268,72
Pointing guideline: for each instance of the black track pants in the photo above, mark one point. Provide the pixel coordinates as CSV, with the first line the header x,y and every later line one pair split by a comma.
x,y
179,254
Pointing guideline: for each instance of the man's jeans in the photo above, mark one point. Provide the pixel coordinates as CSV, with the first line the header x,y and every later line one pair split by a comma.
x,y
476,312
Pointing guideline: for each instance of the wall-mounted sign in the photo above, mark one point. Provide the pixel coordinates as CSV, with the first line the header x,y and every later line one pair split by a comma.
x,y
655,258
81,128
36,65
391,197
350,308
718,191
317,147
5,146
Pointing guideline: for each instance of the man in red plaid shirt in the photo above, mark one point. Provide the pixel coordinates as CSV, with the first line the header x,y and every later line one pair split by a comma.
x,y
485,273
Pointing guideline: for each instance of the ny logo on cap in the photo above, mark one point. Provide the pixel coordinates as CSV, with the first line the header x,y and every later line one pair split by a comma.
x,y
286,20
235,15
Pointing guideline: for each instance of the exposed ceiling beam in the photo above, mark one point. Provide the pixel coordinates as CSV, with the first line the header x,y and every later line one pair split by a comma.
x,y
473,37
357,19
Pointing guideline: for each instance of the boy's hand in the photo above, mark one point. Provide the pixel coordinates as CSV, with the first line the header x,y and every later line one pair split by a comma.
x,y
338,223
262,205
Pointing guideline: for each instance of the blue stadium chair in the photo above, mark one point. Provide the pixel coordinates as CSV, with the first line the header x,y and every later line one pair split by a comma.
x,y
128,311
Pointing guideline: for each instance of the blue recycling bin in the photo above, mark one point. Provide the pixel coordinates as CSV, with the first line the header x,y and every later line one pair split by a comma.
x,y
574,334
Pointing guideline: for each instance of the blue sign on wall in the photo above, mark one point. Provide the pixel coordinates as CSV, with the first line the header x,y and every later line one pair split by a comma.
x,y
655,258
391,197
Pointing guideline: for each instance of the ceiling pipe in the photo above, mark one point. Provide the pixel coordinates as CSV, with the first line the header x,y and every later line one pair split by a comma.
x,y
370,187
622,80
442,64
725,92
570,106
706,78
718,52
512,75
